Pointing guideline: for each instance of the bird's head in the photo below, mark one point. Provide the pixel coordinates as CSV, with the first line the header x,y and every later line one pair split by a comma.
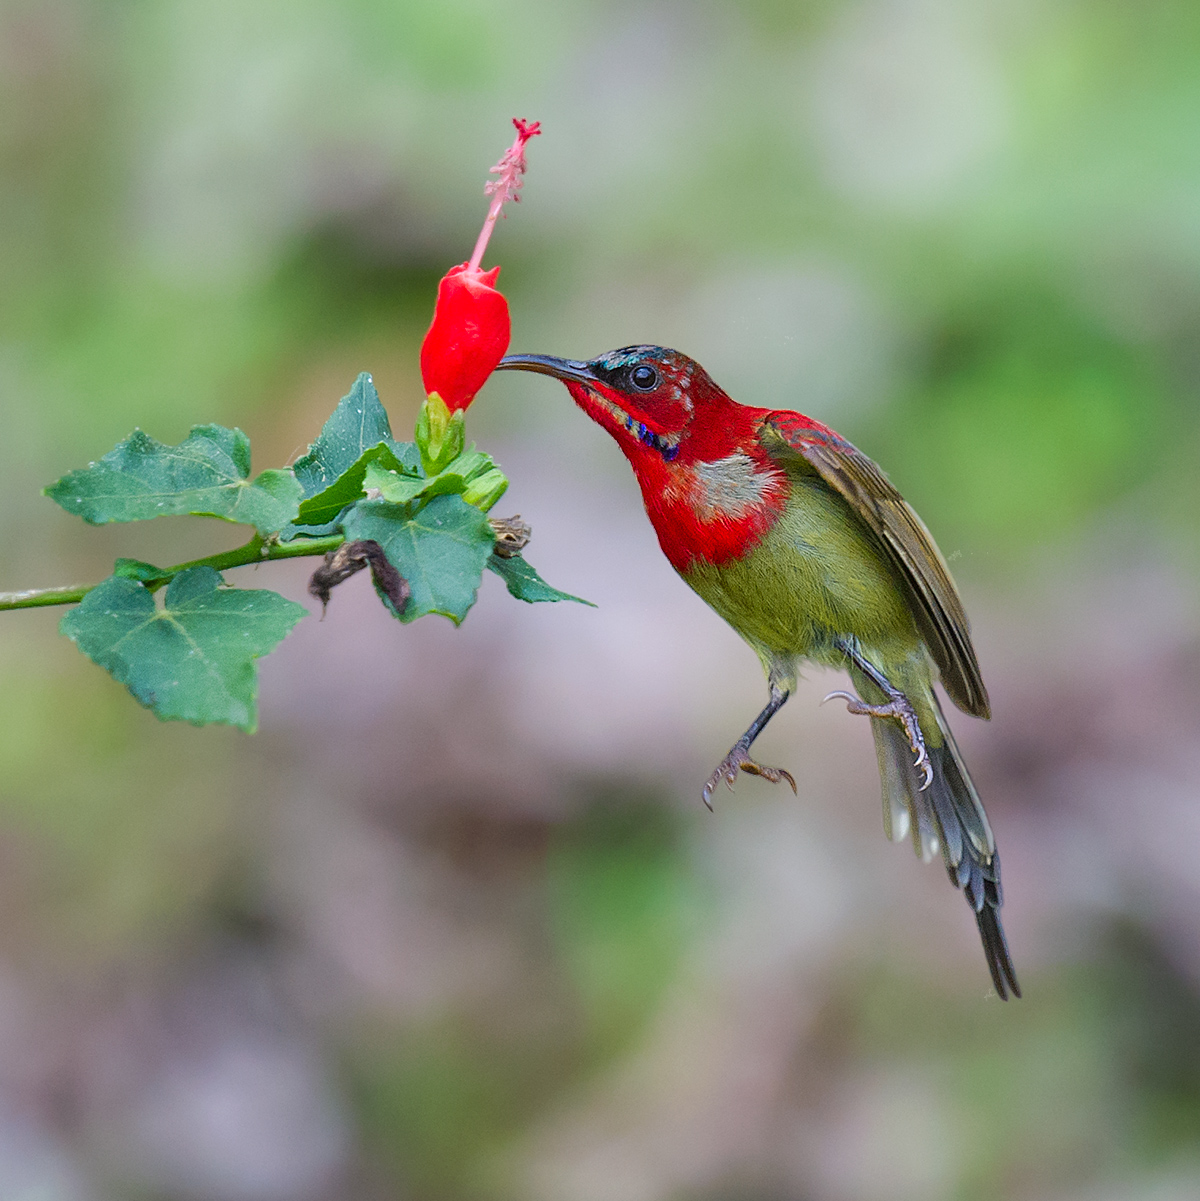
x,y
645,396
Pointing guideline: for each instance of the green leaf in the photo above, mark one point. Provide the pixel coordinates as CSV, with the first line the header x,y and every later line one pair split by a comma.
x,y
327,504
403,489
525,584
207,474
358,423
440,548
408,455
399,489
191,660
471,463
291,532
472,475
138,569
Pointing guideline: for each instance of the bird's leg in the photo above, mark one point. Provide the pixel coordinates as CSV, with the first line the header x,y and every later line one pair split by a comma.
x,y
739,759
898,707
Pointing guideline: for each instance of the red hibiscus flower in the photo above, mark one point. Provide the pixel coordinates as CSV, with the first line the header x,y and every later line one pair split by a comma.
x,y
470,330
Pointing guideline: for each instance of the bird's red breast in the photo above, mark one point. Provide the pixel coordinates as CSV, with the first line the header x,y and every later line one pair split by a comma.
x,y
717,498
711,489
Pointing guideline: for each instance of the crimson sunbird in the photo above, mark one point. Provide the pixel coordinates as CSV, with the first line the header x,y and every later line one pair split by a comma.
x,y
800,542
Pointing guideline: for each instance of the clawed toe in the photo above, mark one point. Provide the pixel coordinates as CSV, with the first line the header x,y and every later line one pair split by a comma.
x,y
922,763
774,774
897,709
739,760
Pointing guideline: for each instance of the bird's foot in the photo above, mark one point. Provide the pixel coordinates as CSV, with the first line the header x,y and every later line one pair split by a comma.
x,y
737,760
898,709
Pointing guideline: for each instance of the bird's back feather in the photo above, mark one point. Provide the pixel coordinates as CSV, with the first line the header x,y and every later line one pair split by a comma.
x,y
922,572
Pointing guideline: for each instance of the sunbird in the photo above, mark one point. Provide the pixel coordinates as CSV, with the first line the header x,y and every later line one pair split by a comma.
x,y
801,543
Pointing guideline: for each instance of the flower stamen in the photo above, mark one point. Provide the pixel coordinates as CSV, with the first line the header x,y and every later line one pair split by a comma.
x,y
510,168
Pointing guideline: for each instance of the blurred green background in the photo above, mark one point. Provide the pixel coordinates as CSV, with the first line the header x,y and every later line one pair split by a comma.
x,y
454,925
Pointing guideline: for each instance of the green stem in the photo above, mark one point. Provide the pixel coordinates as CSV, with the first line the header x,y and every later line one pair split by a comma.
x,y
255,551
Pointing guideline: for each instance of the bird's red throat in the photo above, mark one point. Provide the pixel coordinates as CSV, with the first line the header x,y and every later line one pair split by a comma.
x,y
711,491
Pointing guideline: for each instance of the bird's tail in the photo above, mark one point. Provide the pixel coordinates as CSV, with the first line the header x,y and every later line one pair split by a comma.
x,y
947,816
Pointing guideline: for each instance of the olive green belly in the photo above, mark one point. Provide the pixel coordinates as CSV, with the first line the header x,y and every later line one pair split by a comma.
x,y
816,576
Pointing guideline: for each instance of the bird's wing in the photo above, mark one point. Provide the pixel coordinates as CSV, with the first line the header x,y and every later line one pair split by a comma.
x,y
905,541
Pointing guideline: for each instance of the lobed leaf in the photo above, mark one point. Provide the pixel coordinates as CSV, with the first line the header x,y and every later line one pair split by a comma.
x,y
441,549
327,505
403,489
472,475
358,423
193,658
525,584
207,475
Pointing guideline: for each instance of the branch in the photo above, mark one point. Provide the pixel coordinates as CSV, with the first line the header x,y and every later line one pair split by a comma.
x,y
255,551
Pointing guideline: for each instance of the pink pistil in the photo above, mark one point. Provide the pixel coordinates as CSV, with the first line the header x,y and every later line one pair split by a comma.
x,y
510,168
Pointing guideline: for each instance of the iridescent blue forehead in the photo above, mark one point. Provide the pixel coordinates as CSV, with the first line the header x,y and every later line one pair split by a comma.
x,y
627,356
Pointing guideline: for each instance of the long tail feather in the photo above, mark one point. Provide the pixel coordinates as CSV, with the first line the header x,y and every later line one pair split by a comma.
x,y
947,816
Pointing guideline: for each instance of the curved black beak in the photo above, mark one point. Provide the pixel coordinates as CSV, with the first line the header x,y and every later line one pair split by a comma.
x,y
544,364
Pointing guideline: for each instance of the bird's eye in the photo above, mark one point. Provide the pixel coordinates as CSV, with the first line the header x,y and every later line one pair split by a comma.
x,y
644,378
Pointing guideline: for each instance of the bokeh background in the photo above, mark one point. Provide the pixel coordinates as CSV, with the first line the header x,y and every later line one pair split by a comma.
x,y
454,925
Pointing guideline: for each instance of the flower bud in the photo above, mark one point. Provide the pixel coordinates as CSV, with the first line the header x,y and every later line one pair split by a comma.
x,y
439,434
486,489
468,337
